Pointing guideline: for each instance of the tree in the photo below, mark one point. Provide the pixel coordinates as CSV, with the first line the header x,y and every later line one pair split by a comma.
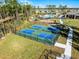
x,y
27,10
13,7
34,10
51,7
63,9
0,10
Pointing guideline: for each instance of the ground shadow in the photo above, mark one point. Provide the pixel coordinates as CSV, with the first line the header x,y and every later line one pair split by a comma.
x,y
49,54
64,33
46,54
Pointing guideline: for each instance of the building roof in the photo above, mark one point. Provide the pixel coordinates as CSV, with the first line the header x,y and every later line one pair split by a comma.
x,y
73,13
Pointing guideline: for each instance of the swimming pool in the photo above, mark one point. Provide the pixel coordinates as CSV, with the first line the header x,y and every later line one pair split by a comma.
x,y
47,16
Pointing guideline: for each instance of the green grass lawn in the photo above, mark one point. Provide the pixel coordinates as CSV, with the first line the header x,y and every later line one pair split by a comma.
x,y
16,47
70,22
73,23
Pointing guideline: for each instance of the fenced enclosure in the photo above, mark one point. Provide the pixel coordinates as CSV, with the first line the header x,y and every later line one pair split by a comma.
x,y
39,33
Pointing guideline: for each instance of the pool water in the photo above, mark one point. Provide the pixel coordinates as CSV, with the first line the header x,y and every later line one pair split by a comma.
x,y
47,16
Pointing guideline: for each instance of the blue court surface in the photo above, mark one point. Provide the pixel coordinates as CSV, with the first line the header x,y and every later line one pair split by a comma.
x,y
27,31
39,35
46,36
51,29
39,27
54,29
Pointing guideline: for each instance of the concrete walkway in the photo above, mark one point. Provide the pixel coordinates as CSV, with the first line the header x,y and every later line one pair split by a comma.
x,y
68,49
61,22
68,46
60,45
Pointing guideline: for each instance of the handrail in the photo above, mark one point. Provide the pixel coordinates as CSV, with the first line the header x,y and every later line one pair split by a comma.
x,y
6,19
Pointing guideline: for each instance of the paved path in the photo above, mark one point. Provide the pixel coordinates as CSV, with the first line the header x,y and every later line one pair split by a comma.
x,y
61,22
60,45
68,49
68,46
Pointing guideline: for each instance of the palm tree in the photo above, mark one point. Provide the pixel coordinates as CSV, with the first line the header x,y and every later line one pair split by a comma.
x,y
51,7
10,8
13,7
27,10
34,10
63,8
0,10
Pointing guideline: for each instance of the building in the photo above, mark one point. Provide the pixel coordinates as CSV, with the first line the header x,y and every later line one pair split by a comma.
x,y
72,15
58,11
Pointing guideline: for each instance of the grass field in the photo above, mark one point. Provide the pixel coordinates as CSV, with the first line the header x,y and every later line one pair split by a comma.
x,y
16,47
62,39
72,22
